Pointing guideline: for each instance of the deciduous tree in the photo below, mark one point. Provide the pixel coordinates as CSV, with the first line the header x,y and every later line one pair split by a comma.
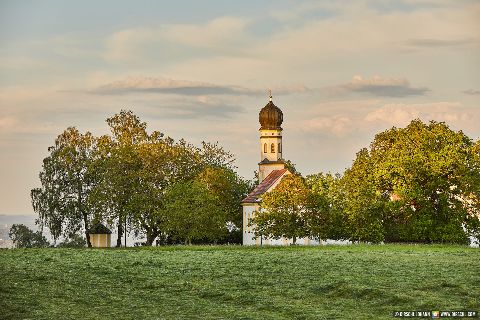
x,y
325,217
192,213
67,179
420,183
283,210
24,237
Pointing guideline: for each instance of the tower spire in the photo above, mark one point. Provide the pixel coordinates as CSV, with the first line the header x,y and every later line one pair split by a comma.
x,y
270,94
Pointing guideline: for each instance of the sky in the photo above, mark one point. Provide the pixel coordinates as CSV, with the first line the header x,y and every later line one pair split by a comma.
x,y
341,71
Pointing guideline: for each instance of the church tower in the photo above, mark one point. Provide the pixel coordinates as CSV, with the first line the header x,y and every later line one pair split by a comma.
x,y
271,170
271,118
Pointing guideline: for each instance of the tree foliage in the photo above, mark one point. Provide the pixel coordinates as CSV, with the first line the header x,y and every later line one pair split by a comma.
x,y
24,237
73,241
415,184
119,166
326,219
418,184
124,178
192,213
284,210
67,180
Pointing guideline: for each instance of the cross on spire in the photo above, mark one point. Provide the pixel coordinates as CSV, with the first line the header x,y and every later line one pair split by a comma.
x,y
270,94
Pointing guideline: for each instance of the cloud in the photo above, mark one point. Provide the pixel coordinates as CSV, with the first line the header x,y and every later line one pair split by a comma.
x,y
187,87
437,43
304,10
251,50
127,44
338,125
378,86
219,31
195,108
472,92
160,85
400,114
176,41
393,114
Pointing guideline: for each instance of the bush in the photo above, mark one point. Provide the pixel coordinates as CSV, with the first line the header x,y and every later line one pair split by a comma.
x,y
74,241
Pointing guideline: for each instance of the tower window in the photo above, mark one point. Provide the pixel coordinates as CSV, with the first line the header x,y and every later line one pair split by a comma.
x,y
264,148
279,148
272,148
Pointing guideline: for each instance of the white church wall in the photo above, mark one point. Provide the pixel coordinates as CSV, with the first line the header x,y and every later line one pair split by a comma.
x,y
248,212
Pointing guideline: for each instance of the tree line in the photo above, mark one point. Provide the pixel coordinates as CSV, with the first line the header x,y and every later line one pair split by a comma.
x,y
420,183
142,183
415,184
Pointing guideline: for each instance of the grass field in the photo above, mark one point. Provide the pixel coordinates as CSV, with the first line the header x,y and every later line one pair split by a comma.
x,y
328,282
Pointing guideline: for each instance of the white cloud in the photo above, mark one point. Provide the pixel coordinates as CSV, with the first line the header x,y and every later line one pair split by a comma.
x,y
396,115
299,11
172,41
221,31
128,44
400,114
316,51
338,125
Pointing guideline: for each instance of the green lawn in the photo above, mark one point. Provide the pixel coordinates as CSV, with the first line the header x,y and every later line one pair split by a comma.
x,y
328,282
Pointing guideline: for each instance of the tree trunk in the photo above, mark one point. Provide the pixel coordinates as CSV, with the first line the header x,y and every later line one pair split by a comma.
x,y
87,235
119,235
151,237
294,240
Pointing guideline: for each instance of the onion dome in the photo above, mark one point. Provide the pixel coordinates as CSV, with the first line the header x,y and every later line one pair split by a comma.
x,y
270,117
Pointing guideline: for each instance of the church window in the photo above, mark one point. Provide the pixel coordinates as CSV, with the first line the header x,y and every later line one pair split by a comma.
x,y
279,148
272,148
264,148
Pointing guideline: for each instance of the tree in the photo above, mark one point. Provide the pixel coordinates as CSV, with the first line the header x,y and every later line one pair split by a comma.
x,y
283,210
192,213
362,205
67,179
24,237
73,241
119,165
292,167
136,168
420,183
122,179
228,188
325,218
213,155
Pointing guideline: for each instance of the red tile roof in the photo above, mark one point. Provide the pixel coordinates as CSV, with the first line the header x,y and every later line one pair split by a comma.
x,y
264,186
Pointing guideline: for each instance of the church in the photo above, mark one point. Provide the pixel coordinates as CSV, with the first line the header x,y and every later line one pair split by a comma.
x,y
271,170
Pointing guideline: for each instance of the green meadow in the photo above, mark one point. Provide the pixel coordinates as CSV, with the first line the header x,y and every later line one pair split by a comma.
x,y
233,282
